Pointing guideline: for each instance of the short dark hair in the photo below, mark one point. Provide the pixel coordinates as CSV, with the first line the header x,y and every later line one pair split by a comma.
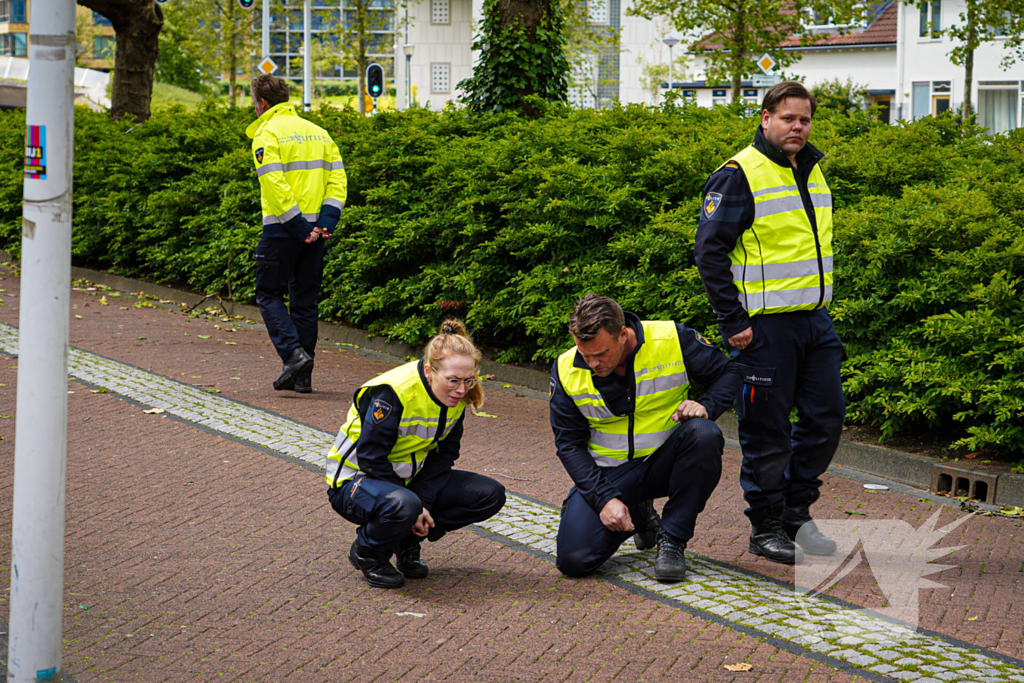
x,y
594,313
270,88
783,91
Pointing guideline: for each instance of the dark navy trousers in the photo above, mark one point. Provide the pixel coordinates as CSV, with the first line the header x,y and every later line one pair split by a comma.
x,y
792,361
288,267
686,468
386,512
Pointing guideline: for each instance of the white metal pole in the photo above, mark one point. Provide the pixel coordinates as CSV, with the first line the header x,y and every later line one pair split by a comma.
x,y
265,28
40,452
670,68
307,61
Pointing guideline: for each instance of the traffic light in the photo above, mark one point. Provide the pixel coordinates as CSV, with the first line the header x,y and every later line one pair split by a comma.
x,y
375,80
246,4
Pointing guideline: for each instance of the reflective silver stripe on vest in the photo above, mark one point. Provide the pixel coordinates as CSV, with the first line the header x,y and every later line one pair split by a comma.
x,y
336,203
614,442
313,165
808,296
605,461
620,442
770,207
596,412
773,190
583,397
652,440
338,166
311,217
414,418
779,271
268,168
821,200
655,385
282,218
407,427
403,469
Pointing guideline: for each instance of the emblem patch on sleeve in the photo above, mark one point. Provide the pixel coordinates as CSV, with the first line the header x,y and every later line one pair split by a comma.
x,y
701,338
551,389
379,410
711,203
259,156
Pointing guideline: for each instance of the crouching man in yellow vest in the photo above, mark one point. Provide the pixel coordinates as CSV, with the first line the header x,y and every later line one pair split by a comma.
x,y
390,471
627,433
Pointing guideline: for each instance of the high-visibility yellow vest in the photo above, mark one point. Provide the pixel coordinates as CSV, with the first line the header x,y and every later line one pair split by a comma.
x,y
780,263
298,165
660,384
419,428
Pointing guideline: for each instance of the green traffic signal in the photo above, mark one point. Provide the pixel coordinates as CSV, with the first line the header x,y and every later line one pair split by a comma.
x,y
246,4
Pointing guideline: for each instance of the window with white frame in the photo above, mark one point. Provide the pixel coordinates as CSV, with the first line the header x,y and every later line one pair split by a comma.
x,y
440,12
440,78
597,11
583,84
718,96
931,20
750,96
922,104
999,105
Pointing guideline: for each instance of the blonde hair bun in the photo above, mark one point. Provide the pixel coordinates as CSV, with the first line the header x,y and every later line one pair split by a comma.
x,y
454,340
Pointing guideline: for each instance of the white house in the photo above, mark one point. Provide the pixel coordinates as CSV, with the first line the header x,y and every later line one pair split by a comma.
x,y
894,54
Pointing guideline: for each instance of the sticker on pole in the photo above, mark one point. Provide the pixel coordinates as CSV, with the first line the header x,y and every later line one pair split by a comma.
x,y
35,152
267,66
766,63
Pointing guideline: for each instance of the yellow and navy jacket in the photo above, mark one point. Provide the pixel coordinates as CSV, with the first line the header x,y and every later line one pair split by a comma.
x,y
765,250
302,177
395,431
616,396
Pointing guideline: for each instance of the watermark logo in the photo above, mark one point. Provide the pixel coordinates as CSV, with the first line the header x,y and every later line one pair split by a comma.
x,y
898,555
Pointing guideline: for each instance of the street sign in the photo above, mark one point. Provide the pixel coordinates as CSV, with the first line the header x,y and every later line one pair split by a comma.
x,y
760,81
766,64
267,66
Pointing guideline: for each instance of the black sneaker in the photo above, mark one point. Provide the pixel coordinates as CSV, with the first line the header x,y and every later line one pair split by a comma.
x,y
375,566
298,361
647,526
670,564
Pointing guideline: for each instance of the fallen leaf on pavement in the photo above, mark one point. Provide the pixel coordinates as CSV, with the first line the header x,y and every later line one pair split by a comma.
x,y
78,317
972,618
99,391
204,336
483,414
154,411
231,343
742,666
103,301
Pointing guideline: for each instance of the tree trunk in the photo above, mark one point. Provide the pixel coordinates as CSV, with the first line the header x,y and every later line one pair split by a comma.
x,y
972,17
361,11
529,14
739,53
232,55
137,25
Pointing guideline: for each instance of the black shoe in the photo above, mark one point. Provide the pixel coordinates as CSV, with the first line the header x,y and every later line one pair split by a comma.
x,y
769,540
375,566
407,559
647,526
799,526
298,361
670,565
304,382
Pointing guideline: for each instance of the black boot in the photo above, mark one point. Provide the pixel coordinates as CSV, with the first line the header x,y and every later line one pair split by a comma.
x,y
304,382
298,361
768,539
375,566
647,526
670,564
407,559
797,520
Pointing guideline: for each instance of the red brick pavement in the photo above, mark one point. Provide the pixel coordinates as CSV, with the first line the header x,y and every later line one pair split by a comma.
x,y
187,575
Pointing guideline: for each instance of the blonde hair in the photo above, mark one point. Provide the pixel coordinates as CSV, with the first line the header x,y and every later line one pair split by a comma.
x,y
454,340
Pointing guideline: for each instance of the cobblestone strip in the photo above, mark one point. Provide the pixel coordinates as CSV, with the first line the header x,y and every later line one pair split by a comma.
x,y
774,610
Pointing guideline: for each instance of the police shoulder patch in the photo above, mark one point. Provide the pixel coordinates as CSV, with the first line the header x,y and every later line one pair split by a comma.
x,y
711,203
701,339
732,165
551,389
379,410
259,156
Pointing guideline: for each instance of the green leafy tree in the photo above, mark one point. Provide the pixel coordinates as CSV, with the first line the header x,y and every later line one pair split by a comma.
x,y
743,30
218,33
177,65
137,25
521,57
980,22
843,96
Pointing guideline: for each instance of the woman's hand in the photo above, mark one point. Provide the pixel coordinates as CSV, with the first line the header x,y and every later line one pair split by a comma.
x,y
423,523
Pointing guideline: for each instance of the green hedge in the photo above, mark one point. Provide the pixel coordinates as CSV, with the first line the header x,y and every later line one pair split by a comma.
x,y
506,221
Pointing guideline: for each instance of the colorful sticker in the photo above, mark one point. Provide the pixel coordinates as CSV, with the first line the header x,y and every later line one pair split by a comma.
x,y
35,152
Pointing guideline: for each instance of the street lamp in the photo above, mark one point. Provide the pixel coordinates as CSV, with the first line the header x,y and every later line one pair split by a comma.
x,y
407,48
671,41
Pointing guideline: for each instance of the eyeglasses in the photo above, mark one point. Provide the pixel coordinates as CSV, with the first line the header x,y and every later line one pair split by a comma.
x,y
454,382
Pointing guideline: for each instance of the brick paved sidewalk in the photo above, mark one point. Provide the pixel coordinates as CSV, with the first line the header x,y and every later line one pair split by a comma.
x,y
195,561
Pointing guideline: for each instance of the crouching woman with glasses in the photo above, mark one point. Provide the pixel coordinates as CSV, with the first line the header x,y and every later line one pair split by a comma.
x,y
390,470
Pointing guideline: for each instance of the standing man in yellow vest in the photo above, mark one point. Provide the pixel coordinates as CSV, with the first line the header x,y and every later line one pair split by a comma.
x,y
302,190
764,251
627,432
